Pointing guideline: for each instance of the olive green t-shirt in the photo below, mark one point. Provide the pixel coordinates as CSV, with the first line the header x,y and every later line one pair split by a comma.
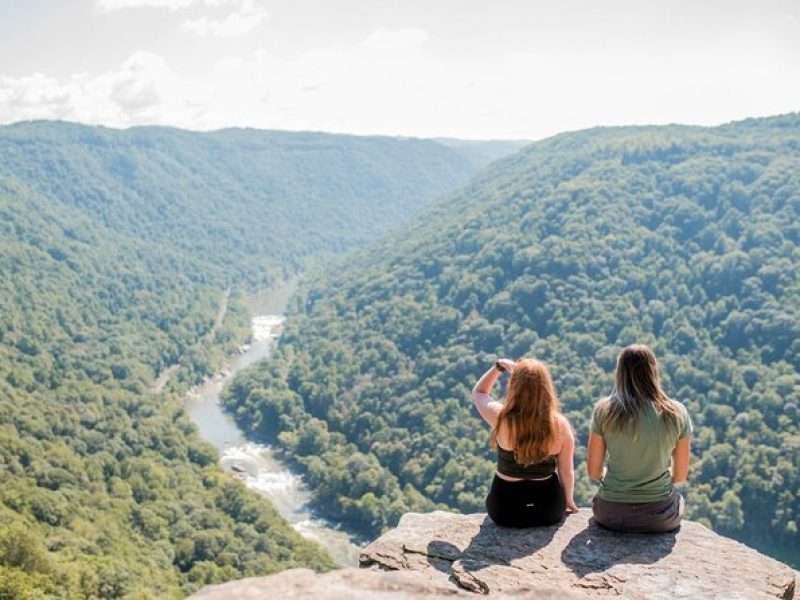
x,y
637,467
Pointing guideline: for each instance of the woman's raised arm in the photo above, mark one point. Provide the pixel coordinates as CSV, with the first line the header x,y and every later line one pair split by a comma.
x,y
487,406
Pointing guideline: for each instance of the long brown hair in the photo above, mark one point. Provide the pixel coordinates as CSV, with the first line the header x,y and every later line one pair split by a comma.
x,y
636,384
530,413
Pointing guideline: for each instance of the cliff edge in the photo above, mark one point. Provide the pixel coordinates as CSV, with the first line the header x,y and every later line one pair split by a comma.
x,y
580,557
441,554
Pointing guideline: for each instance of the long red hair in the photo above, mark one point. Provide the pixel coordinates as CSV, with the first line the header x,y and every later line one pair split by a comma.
x,y
530,413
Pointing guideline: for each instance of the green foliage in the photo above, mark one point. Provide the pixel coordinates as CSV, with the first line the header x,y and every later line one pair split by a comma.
x,y
114,248
232,204
687,239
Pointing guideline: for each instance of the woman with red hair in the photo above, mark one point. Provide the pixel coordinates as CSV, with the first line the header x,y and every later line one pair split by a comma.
x,y
533,485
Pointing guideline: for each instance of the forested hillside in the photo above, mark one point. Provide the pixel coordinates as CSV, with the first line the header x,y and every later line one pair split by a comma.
x,y
115,247
481,153
105,490
232,198
684,238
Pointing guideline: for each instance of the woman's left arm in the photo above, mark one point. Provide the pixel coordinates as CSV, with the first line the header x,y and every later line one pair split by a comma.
x,y
595,456
681,455
566,467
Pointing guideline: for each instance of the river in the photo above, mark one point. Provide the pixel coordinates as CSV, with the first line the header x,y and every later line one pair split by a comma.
x,y
257,464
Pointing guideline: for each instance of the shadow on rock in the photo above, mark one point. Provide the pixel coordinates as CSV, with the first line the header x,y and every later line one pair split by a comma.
x,y
577,559
596,549
492,546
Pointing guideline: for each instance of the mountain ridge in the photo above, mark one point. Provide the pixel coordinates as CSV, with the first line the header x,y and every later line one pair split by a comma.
x,y
114,249
684,238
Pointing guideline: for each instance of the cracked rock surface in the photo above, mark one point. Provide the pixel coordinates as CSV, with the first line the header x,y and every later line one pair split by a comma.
x,y
576,559
348,584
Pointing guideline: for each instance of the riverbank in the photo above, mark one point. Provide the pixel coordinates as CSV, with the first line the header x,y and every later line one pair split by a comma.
x,y
166,375
258,465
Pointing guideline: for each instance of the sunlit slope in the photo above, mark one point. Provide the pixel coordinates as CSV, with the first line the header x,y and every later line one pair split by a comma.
x,y
682,238
104,489
115,247
233,198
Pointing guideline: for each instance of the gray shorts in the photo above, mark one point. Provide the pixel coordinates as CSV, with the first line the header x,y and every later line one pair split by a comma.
x,y
642,517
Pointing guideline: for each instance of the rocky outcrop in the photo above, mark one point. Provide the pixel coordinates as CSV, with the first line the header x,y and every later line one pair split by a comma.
x,y
350,584
579,558
442,555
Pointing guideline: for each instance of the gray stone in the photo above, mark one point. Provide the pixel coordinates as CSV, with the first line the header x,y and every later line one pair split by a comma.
x,y
577,558
442,555
347,584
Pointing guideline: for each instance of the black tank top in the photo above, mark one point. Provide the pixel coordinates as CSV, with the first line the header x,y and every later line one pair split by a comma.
x,y
507,465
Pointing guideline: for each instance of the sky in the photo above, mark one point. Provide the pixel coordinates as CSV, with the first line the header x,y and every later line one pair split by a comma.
x,y
473,69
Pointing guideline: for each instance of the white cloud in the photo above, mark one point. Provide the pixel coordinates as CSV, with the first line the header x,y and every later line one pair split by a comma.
x,y
245,16
528,70
115,5
27,97
398,40
396,82
239,22
112,5
140,83
143,89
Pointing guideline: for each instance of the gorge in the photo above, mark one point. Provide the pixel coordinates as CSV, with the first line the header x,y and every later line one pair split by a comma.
x,y
115,246
682,238
421,266
254,462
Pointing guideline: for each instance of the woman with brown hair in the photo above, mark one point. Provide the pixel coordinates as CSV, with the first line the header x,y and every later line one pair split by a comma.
x,y
534,481
645,436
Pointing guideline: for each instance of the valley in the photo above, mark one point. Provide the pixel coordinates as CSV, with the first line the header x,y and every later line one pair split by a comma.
x,y
255,463
132,263
115,246
682,238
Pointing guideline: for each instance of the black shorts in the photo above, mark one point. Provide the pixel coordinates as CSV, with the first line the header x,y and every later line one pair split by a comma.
x,y
526,503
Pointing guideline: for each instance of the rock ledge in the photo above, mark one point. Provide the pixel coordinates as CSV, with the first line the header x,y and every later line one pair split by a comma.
x,y
579,558
443,555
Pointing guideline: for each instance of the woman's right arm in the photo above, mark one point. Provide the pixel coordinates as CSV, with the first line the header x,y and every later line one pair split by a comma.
x,y
595,455
680,461
487,406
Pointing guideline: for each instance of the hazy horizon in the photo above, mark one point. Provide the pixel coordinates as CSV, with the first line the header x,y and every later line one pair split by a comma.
x,y
387,135
477,70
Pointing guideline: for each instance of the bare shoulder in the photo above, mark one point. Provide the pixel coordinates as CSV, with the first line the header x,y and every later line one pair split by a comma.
x,y
565,435
565,427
